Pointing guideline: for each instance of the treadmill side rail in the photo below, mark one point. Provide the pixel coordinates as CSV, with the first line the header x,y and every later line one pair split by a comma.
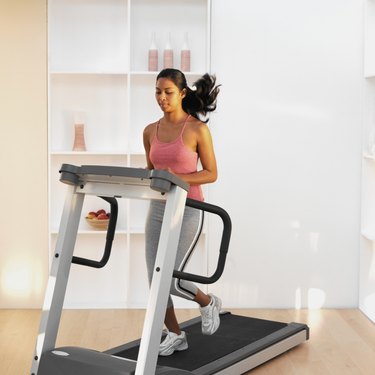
x,y
258,358
67,360
259,352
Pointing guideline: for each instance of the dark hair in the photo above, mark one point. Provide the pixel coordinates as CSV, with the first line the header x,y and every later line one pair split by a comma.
x,y
201,99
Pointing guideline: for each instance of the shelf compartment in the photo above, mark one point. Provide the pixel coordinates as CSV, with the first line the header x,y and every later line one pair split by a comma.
x,y
184,16
88,35
103,101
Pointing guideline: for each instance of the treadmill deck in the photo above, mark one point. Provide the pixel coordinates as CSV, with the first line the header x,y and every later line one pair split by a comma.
x,y
237,338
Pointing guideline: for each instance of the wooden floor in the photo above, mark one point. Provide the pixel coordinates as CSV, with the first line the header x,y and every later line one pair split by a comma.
x,y
341,342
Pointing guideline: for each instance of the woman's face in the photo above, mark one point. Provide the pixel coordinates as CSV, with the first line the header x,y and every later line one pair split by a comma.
x,y
168,95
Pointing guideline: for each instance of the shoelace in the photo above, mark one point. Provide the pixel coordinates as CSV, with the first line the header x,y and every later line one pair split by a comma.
x,y
207,312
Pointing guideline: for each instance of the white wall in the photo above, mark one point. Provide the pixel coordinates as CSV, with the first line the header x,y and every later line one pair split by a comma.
x,y
23,153
287,135
287,129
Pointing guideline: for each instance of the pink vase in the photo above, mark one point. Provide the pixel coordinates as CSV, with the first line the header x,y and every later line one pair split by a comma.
x,y
79,137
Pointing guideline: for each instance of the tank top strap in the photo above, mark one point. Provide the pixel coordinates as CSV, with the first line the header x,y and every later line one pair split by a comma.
x,y
156,132
184,126
156,136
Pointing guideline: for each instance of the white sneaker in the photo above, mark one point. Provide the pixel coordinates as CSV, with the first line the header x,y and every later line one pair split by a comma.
x,y
211,316
172,343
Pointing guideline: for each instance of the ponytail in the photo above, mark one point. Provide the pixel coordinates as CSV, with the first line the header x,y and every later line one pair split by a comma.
x,y
201,99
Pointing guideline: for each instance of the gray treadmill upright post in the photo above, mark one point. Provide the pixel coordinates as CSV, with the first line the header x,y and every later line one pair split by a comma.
x,y
161,282
122,182
58,278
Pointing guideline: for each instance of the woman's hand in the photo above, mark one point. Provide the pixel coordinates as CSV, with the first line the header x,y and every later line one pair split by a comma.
x,y
169,170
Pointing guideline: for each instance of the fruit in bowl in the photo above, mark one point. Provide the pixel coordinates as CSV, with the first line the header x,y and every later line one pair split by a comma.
x,y
98,219
91,215
103,216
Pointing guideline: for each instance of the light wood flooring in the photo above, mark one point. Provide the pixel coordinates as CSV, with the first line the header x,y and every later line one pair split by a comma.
x,y
341,341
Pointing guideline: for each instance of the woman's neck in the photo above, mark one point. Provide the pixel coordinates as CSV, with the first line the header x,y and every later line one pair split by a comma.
x,y
174,118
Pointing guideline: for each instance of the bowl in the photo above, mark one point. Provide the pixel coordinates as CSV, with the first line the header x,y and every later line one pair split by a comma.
x,y
97,223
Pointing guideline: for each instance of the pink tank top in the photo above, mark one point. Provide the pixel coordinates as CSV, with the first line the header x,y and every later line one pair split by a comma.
x,y
176,156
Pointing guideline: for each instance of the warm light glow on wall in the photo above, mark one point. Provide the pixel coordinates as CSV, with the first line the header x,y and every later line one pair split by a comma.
x,y
21,277
298,300
24,232
315,298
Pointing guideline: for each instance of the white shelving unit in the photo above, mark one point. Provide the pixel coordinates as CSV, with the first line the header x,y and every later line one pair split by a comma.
x,y
98,59
367,249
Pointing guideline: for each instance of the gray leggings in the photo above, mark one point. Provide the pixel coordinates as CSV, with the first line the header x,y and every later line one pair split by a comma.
x,y
191,228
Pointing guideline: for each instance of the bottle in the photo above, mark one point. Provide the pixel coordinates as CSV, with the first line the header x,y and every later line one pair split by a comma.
x,y
153,56
185,55
168,53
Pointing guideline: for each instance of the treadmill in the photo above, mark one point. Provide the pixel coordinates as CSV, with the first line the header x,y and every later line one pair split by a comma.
x,y
240,344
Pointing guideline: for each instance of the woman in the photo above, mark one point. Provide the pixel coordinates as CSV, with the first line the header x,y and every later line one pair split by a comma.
x,y
176,142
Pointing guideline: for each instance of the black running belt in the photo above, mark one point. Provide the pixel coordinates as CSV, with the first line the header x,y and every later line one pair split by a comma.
x,y
234,333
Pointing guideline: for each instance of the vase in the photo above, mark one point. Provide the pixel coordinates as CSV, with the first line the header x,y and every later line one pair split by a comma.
x,y
79,137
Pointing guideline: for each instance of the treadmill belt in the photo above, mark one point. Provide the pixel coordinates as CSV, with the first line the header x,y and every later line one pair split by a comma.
x,y
234,333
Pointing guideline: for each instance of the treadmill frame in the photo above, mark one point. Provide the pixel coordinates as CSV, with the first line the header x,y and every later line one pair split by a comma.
x,y
122,182
118,182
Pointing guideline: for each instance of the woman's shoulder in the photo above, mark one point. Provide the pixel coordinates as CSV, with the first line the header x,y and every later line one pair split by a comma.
x,y
150,128
197,126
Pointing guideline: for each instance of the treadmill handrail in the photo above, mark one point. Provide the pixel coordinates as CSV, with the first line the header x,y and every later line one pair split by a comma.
x,y
224,245
158,179
109,239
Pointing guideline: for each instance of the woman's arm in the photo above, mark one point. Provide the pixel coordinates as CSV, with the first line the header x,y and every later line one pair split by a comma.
x,y
147,144
206,153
